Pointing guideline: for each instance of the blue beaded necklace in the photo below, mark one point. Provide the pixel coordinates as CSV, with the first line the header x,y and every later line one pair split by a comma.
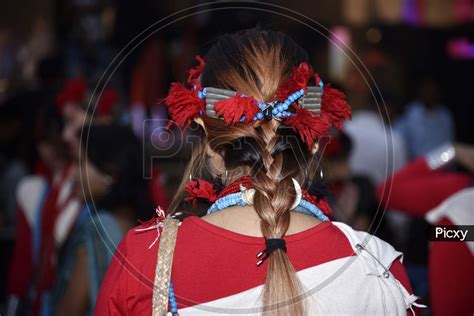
x,y
235,199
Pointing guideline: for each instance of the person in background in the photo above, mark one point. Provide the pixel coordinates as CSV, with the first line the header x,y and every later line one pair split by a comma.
x,y
352,198
426,122
377,150
46,210
18,118
13,165
426,189
115,196
71,103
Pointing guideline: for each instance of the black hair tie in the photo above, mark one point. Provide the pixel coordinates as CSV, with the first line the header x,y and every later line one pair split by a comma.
x,y
271,244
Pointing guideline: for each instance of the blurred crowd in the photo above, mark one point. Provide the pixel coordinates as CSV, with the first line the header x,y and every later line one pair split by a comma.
x,y
83,160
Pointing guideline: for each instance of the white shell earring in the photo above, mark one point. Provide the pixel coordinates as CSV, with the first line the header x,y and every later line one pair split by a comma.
x,y
248,194
298,194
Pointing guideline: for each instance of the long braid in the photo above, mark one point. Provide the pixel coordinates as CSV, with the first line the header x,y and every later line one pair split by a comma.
x,y
272,201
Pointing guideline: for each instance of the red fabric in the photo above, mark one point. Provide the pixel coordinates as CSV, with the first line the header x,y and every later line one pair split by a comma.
x,y
44,271
127,286
398,270
47,267
148,79
451,276
416,189
107,101
157,191
20,271
74,91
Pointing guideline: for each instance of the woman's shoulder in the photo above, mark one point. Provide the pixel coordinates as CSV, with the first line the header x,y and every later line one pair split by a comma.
x,y
364,243
101,226
142,241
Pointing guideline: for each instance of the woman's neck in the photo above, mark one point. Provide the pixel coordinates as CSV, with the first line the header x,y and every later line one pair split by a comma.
x,y
245,220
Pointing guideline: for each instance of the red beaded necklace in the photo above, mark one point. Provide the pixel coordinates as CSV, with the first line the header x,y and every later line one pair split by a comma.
x,y
201,189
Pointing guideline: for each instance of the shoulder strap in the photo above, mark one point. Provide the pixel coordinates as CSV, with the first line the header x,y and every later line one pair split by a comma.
x,y
163,266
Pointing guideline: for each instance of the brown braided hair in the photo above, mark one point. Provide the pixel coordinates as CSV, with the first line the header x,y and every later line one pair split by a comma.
x,y
255,62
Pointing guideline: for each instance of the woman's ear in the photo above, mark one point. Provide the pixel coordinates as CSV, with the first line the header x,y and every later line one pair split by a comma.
x,y
200,122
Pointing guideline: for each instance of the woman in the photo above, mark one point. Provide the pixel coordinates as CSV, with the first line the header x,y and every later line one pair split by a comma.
x,y
47,206
115,195
260,145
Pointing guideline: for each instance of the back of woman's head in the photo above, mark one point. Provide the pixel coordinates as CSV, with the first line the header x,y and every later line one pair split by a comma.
x,y
255,63
115,151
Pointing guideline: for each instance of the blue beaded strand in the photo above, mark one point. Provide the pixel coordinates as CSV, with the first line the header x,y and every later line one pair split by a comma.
x,y
280,110
172,300
227,201
236,199
201,94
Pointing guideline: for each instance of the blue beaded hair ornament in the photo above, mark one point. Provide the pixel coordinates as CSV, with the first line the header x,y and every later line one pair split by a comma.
x,y
308,110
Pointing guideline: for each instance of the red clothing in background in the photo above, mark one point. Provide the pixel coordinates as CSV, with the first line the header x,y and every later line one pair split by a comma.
x,y
416,189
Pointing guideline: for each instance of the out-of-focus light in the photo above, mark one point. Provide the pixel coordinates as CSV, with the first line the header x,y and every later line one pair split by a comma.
x,y
373,35
340,38
3,86
460,48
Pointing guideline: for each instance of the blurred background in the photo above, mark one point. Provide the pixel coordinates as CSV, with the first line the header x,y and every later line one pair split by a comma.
x,y
405,65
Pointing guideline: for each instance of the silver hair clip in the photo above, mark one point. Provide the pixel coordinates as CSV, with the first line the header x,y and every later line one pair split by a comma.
x,y
275,109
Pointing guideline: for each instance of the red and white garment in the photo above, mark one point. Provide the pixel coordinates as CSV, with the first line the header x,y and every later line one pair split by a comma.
x,y
47,210
451,263
214,271
442,198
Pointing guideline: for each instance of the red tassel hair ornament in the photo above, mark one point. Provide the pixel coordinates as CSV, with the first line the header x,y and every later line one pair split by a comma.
x,y
237,109
320,203
299,80
199,189
334,106
194,73
184,104
308,125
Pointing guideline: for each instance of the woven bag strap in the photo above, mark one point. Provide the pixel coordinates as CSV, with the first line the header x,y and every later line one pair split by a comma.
x,y
164,262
